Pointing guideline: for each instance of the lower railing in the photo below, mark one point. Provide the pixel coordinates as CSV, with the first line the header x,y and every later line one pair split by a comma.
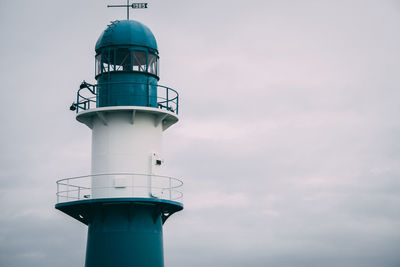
x,y
119,185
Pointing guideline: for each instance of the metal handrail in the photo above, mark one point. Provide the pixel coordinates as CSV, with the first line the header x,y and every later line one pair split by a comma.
x,y
170,102
80,187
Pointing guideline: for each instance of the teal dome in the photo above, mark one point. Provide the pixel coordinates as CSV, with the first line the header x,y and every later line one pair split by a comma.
x,y
126,33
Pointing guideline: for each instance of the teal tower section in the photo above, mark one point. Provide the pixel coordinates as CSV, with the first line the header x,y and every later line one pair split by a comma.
x,y
126,199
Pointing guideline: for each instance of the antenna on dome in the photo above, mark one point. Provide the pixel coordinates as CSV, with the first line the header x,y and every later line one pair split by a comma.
x,y
133,5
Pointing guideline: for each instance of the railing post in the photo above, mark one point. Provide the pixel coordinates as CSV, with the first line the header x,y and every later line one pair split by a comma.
x,y
133,185
67,189
58,190
77,102
170,188
177,104
95,93
79,193
167,99
149,184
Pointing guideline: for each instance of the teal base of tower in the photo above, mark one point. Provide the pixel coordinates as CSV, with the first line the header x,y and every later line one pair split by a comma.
x,y
123,232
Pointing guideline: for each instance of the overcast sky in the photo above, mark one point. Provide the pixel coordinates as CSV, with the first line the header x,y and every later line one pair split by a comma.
x,y
288,140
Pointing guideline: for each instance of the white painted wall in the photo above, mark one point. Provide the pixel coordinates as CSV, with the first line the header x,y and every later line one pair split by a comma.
x,y
123,147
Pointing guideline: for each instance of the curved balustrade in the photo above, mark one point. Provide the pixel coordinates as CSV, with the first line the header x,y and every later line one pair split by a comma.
x,y
167,98
115,185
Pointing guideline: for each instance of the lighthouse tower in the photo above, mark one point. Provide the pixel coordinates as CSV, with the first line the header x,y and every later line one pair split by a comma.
x,y
127,198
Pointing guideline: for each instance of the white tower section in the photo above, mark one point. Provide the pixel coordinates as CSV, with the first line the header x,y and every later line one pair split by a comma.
x,y
127,150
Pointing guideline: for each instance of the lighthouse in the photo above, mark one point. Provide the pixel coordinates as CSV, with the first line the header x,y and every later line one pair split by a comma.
x,y
127,197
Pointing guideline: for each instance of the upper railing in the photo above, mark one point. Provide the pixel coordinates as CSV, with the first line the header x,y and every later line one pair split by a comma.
x,y
167,98
119,185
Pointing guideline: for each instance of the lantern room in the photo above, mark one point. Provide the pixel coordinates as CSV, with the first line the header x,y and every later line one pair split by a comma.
x,y
127,65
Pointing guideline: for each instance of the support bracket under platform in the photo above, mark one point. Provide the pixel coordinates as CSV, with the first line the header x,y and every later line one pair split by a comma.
x,y
102,117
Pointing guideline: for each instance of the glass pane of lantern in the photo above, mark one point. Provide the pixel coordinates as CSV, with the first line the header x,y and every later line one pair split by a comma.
x,y
152,64
98,64
123,60
139,61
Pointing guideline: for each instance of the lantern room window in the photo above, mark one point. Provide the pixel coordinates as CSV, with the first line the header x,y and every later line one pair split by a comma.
x,y
139,60
153,64
122,59
126,59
